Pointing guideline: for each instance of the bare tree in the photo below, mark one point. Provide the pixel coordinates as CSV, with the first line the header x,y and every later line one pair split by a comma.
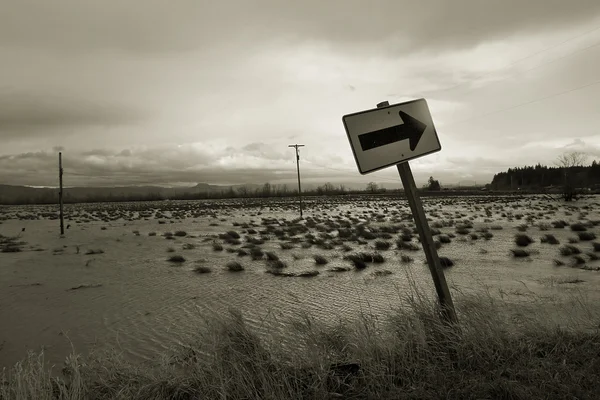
x,y
569,163
372,187
243,191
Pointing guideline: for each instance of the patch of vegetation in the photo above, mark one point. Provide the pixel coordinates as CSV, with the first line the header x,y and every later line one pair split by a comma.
x,y
320,260
308,274
424,359
217,246
94,251
286,245
271,256
520,253
523,240
382,245
382,272
550,239
586,236
176,259
234,266
202,269
569,249
578,227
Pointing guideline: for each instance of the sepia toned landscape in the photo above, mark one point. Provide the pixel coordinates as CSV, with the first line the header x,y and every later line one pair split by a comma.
x,y
268,200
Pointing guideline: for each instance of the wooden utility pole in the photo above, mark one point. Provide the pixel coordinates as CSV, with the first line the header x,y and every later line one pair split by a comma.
x,y
60,193
298,169
433,261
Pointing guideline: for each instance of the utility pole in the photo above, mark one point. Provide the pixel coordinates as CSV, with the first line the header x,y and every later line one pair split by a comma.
x,y
60,193
298,169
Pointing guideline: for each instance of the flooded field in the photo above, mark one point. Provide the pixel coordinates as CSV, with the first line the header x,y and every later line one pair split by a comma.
x,y
140,276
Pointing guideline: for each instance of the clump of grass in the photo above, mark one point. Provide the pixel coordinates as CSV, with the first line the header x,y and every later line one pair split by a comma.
x,y
170,250
180,233
559,224
378,258
256,253
596,246
496,227
569,249
233,234
522,228
277,264
176,259
217,246
520,253
444,239
446,262
308,274
578,227
382,272
234,266
94,251
462,230
586,236
271,256
320,260
151,233
523,240
405,258
410,246
242,253
473,236
189,246
578,260
202,269
558,263
550,239
382,245
286,246
520,349
487,235
592,256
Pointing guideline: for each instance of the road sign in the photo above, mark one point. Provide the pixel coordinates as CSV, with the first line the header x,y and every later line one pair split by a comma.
x,y
382,137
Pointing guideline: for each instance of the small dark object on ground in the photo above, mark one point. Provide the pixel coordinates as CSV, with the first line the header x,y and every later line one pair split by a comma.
x,y
234,266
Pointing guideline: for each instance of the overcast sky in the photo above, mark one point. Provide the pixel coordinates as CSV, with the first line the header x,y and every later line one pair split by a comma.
x,y
174,92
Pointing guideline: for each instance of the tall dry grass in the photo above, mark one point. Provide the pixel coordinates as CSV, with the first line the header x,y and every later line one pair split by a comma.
x,y
539,349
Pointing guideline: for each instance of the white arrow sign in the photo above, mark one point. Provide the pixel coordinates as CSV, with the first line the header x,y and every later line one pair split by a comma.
x,y
386,136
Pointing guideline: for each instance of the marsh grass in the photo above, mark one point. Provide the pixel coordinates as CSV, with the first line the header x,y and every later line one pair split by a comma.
x,y
498,350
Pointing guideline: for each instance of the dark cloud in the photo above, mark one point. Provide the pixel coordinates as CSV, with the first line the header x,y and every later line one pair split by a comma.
x,y
42,114
159,26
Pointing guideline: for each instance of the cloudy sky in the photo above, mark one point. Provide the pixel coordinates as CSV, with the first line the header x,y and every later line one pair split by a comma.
x,y
181,91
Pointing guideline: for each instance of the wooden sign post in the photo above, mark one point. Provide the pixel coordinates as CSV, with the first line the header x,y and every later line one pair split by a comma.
x,y
392,135
60,193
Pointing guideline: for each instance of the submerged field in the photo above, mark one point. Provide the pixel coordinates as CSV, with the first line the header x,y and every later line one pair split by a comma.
x,y
143,277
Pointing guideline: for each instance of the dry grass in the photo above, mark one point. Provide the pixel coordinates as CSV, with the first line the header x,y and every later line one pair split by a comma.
x,y
411,355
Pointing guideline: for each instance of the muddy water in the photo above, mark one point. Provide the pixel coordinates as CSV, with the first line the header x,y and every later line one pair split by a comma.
x,y
145,305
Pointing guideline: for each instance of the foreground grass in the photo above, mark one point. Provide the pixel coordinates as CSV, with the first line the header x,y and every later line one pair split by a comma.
x,y
411,355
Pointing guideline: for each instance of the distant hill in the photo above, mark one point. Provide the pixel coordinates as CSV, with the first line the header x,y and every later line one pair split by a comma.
x,y
29,195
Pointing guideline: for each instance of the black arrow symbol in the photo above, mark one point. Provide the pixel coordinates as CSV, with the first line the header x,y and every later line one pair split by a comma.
x,y
411,129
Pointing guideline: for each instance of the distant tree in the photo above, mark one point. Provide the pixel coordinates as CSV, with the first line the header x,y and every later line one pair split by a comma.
x,y
569,163
243,191
372,187
433,185
342,189
266,189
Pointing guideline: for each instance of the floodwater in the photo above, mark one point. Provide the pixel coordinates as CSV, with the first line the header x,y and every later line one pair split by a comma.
x,y
138,301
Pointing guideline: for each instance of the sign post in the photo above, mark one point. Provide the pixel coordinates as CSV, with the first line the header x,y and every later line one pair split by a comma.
x,y
392,135
298,169
60,194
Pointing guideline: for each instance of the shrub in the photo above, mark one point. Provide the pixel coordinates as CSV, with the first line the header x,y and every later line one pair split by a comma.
x,y
520,253
444,239
320,260
271,256
523,240
180,233
202,269
378,258
217,247
578,227
382,245
176,259
406,258
550,239
586,236
233,234
446,262
596,246
234,266
569,249
286,246
308,274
